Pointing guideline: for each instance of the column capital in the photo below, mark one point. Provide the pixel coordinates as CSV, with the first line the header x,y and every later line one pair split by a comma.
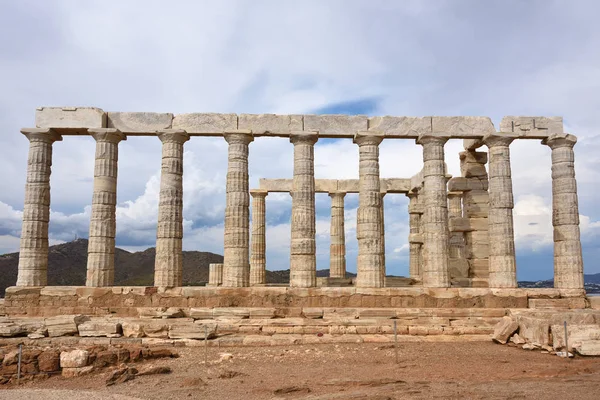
x,y
259,193
558,140
110,135
241,136
498,139
173,135
431,138
305,137
337,194
41,134
454,194
368,138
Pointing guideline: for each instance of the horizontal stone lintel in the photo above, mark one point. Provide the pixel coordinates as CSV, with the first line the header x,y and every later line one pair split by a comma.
x,y
388,185
76,121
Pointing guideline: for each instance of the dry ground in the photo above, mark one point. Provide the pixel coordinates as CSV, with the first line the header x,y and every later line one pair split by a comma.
x,y
344,371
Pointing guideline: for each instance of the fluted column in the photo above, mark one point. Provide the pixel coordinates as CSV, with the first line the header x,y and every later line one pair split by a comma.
x,y
503,265
33,256
435,216
415,239
168,264
236,264
101,245
258,262
371,267
215,274
458,266
337,247
303,261
568,261
382,232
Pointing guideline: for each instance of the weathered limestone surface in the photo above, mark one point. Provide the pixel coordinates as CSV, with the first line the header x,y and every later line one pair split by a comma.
x,y
502,262
337,247
258,261
370,267
458,267
303,263
139,121
101,245
206,123
504,329
215,274
33,256
568,261
532,126
415,211
236,264
270,123
388,185
335,124
168,264
70,117
435,217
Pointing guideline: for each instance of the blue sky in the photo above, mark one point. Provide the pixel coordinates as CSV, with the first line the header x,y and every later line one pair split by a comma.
x,y
437,57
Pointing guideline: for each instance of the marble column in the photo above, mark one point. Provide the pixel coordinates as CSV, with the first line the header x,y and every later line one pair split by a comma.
x,y
258,262
33,256
458,266
236,264
215,274
101,245
382,212
303,261
568,261
337,248
415,238
371,267
502,262
435,216
168,264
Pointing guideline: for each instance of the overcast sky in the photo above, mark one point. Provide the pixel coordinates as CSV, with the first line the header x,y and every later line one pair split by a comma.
x,y
461,57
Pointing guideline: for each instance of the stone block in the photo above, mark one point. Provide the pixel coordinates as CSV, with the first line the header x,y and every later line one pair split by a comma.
x,y
192,331
532,126
132,329
231,312
534,330
10,329
65,325
160,312
568,303
207,123
73,372
70,117
504,329
594,302
335,125
576,334
201,313
275,185
49,361
264,312
74,358
589,348
462,126
139,121
100,328
410,127
270,123
309,312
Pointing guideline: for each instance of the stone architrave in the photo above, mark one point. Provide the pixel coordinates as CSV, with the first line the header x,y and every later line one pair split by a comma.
x,y
337,247
168,264
215,274
370,267
568,261
236,263
435,217
415,238
258,262
502,262
101,245
303,262
33,255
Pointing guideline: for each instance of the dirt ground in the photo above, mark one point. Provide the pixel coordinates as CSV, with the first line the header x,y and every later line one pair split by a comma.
x,y
343,371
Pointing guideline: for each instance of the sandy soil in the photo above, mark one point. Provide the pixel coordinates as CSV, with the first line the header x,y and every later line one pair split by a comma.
x,y
344,371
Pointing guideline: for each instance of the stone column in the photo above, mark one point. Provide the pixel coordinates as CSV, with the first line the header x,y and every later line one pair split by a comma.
x,y
168,264
236,264
435,217
458,266
303,261
215,274
101,245
415,238
502,262
568,261
258,262
371,267
382,212
33,256
337,248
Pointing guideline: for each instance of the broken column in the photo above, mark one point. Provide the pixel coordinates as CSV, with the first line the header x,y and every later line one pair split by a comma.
x,y
371,267
168,265
415,237
33,255
101,245
435,216
568,261
337,247
303,261
458,268
502,262
258,263
236,264
215,274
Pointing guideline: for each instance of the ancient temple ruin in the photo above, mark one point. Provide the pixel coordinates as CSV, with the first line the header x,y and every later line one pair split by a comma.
x,y
461,228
